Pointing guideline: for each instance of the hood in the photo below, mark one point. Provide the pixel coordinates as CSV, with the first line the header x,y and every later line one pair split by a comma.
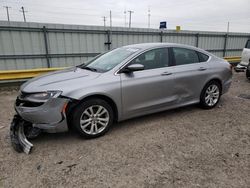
x,y
63,80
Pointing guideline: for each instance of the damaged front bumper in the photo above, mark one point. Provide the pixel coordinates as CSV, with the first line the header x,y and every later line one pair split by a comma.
x,y
49,117
17,136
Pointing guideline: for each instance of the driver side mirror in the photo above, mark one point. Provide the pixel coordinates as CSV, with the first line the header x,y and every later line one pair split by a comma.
x,y
133,67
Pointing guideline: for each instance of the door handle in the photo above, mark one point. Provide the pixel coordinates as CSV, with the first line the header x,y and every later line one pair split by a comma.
x,y
202,69
166,73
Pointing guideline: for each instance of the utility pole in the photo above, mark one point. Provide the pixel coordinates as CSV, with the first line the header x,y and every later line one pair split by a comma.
x,y
7,10
130,12
104,21
149,17
110,19
228,24
125,18
23,11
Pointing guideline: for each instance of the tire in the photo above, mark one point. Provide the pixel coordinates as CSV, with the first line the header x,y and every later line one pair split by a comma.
x,y
248,74
32,132
93,118
210,95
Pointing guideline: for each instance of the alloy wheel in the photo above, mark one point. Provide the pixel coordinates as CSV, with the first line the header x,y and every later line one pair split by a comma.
x,y
94,119
212,95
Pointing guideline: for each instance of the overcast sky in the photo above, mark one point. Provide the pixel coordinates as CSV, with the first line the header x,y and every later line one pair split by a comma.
x,y
211,15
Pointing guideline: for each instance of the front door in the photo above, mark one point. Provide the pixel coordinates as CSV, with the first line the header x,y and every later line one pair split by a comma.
x,y
151,89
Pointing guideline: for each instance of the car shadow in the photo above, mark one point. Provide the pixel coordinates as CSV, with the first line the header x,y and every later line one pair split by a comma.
x,y
126,124
72,135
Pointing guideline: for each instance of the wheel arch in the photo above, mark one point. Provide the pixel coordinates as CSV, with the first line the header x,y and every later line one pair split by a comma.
x,y
210,80
202,103
106,98
216,80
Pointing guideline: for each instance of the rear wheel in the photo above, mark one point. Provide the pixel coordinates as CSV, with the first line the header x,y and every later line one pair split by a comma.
x,y
248,73
93,118
210,95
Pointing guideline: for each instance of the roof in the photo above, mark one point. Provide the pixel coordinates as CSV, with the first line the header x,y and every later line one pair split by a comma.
x,y
144,46
149,45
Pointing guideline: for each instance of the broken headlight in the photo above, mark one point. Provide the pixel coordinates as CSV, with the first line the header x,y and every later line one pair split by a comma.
x,y
42,96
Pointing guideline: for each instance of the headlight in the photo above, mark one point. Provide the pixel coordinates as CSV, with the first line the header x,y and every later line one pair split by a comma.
x,y
42,96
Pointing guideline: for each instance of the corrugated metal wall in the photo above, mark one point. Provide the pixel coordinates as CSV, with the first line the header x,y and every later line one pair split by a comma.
x,y
36,45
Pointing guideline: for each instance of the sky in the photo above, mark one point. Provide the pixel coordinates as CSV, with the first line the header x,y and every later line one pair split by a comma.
x,y
203,15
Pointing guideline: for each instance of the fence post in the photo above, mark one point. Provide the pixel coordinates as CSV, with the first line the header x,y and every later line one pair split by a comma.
x,y
109,41
197,39
161,34
225,45
46,46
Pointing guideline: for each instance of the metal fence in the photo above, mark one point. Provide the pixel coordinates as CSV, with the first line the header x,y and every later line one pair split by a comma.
x,y
36,45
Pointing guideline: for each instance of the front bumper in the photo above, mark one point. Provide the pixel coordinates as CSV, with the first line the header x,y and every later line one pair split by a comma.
x,y
49,117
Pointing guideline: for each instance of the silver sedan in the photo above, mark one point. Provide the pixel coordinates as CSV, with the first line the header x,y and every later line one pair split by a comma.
x,y
123,83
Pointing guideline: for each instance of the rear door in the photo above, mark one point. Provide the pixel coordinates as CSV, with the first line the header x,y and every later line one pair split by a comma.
x,y
191,72
151,89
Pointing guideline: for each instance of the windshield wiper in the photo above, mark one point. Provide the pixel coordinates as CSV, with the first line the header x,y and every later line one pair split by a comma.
x,y
89,68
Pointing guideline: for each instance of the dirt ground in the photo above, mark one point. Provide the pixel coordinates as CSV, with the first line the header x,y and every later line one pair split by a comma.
x,y
187,147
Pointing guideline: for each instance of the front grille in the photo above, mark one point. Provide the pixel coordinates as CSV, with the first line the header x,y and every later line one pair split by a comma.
x,y
24,103
21,102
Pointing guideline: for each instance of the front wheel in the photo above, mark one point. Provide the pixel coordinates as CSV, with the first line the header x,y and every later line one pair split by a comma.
x,y
93,118
210,95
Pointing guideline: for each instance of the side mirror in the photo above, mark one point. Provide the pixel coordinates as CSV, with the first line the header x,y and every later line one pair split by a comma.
x,y
133,67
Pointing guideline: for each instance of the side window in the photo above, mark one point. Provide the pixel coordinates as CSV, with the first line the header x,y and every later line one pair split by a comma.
x,y
185,56
203,57
248,44
153,59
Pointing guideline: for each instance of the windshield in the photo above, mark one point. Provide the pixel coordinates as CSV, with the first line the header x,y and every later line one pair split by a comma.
x,y
109,60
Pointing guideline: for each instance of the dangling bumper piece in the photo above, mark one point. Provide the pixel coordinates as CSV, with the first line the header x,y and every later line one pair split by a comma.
x,y
18,138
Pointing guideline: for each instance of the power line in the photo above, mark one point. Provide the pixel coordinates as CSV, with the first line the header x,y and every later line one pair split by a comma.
x,y
23,11
46,6
130,12
7,11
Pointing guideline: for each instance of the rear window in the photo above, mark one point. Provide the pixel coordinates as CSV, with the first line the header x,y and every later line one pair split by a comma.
x,y
248,44
203,57
185,56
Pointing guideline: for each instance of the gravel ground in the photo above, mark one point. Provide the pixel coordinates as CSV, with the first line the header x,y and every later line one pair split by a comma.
x,y
187,147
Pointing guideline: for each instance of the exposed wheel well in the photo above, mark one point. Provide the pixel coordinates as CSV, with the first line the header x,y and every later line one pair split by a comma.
x,y
216,80
74,104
